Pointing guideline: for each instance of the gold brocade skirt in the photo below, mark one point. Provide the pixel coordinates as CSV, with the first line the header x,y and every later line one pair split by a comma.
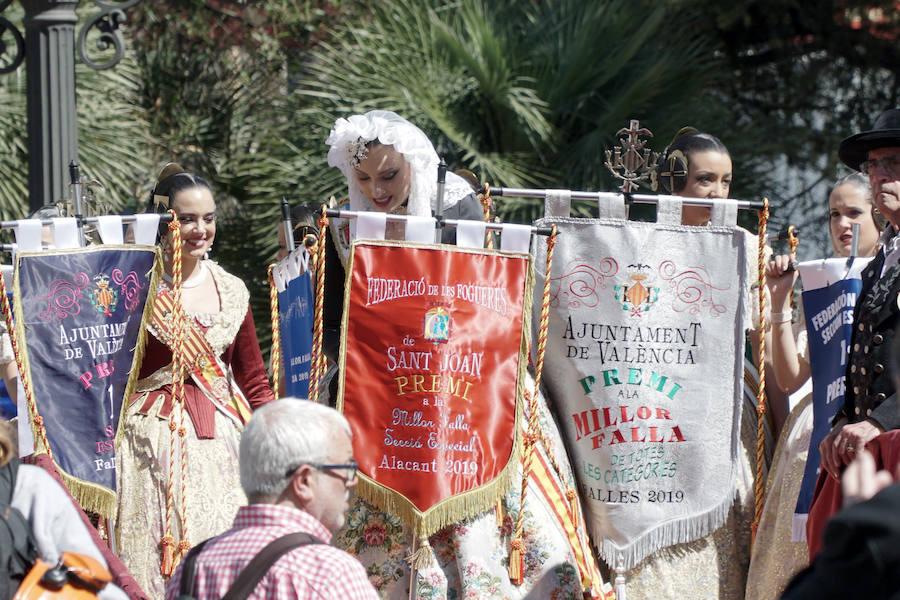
x,y
776,558
212,488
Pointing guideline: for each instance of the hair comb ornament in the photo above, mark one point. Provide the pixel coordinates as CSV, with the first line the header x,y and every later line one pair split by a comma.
x,y
683,131
169,170
673,172
357,151
159,200
632,161
670,171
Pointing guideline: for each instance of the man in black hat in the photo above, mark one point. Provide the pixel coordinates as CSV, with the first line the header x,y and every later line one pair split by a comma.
x,y
860,553
870,404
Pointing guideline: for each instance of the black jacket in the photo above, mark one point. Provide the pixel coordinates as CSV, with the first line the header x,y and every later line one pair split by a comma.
x,y
870,389
861,554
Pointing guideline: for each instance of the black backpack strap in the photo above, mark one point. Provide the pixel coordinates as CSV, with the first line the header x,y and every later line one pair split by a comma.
x,y
8,480
186,586
24,550
18,549
258,567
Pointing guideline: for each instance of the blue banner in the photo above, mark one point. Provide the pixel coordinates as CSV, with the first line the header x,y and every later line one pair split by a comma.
x,y
829,320
80,314
295,306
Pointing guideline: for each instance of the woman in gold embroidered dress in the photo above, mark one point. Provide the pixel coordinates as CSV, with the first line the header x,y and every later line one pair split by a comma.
x,y
224,379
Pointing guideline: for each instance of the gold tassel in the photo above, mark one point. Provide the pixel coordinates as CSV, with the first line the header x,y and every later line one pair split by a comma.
x,y
168,556
423,556
572,497
183,547
516,561
498,512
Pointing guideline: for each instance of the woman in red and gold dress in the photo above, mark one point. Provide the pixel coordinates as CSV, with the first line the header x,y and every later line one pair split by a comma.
x,y
224,380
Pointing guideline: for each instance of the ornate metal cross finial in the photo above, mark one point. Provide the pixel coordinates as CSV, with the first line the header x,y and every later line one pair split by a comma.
x,y
631,161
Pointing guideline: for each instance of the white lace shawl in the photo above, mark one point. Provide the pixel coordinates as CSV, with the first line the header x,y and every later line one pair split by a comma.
x,y
391,129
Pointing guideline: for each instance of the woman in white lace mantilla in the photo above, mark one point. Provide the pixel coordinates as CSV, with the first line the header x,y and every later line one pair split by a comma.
x,y
391,166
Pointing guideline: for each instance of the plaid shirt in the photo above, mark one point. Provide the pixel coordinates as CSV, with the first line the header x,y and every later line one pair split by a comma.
x,y
314,571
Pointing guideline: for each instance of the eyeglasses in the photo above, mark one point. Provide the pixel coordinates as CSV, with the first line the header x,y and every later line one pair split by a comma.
x,y
351,470
890,165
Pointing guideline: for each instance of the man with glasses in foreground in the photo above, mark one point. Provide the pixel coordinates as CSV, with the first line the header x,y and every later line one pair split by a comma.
x,y
870,402
297,468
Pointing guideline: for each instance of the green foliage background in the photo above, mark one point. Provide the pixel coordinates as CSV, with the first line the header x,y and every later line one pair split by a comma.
x,y
525,93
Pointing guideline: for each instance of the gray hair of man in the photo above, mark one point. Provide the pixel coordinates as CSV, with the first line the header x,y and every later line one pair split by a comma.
x,y
281,436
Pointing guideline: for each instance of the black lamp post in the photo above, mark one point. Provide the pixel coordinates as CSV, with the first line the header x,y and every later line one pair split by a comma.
x,y
50,44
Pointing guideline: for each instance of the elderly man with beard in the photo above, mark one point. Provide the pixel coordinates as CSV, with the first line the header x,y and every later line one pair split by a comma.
x,y
297,468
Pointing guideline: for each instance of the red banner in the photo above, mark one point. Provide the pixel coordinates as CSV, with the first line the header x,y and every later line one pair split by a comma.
x,y
432,372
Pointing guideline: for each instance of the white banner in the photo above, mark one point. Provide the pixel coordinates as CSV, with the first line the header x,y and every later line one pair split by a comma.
x,y
644,367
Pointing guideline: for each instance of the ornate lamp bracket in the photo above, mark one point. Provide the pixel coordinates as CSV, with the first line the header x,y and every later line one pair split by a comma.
x,y
10,58
632,161
107,21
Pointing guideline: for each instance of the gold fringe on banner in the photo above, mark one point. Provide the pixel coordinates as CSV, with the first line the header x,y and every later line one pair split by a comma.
x,y
465,504
447,512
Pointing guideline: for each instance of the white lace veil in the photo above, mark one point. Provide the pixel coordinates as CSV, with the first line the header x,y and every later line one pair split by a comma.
x,y
390,129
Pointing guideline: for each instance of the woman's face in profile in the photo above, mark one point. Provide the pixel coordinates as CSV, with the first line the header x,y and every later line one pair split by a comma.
x,y
849,204
384,177
709,176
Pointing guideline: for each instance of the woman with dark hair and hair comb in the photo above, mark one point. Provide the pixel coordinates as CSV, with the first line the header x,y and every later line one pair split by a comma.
x,y
695,165
224,380
698,165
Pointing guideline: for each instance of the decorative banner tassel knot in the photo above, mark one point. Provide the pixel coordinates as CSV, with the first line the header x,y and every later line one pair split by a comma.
x,y
572,497
620,578
516,561
423,556
183,547
168,556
